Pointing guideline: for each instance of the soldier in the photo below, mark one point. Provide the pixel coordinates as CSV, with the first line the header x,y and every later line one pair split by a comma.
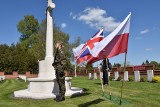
x,y
59,65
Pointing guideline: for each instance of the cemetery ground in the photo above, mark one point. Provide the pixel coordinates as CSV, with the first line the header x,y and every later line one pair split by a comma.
x,y
138,94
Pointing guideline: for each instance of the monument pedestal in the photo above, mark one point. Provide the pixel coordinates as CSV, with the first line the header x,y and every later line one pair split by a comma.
x,y
46,86
40,88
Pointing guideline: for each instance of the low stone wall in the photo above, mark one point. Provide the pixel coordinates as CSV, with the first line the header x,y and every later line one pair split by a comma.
x,y
16,75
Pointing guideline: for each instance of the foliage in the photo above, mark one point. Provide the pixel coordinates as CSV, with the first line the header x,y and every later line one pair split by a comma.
x,y
130,79
17,58
119,78
111,77
156,79
24,55
89,67
143,79
117,65
156,64
28,26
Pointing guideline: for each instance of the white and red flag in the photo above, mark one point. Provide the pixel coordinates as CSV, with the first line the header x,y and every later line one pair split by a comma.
x,y
113,44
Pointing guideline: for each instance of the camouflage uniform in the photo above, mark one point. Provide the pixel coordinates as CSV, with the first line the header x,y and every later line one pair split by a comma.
x,y
59,65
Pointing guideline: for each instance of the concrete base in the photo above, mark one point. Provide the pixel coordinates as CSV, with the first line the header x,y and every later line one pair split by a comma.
x,y
42,88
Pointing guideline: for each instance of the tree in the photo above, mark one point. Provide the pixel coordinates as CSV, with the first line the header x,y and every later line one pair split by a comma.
x,y
156,64
117,65
89,67
24,55
28,26
143,63
147,62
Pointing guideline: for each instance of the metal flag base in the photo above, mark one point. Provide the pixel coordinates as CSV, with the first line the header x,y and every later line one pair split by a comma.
x,y
115,99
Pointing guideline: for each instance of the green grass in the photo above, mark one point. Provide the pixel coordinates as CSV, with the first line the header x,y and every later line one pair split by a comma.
x,y
138,94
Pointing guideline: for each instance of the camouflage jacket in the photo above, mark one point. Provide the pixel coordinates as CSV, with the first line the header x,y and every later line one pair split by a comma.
x,y
60,60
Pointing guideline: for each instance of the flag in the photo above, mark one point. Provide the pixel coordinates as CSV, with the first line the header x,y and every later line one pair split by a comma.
x,y
89,45
114,44
77,50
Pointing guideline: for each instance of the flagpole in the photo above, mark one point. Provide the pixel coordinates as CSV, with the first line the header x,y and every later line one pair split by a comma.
x,y
123,77
108,79
100,74
101,78
75,70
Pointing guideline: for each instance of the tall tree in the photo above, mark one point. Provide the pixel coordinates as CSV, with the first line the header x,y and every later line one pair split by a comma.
x,y
28,26
147,62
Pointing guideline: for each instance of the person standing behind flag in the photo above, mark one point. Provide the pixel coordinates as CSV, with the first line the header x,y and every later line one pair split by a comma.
x,y
106,66
105,72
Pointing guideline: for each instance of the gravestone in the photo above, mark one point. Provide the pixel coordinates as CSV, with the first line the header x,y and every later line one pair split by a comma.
x,y
89,76
116,75
136,76
150,75
125,75
95,76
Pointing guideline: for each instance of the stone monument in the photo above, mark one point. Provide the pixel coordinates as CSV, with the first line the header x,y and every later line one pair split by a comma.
x,y
45,86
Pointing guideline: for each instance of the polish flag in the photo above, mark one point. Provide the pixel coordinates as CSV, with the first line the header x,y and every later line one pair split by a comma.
x,y
114,44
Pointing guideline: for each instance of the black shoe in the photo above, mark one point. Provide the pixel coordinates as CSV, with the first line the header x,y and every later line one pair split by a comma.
x,y
59,99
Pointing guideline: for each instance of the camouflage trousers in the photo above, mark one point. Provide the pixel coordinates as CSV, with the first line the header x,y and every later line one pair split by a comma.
x,y
60,77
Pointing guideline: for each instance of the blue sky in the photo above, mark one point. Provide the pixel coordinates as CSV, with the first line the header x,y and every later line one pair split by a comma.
x,y
75,17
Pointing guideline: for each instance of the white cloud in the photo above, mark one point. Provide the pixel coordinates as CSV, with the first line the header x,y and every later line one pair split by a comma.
x,y
63,25
144,31
149,49
96,18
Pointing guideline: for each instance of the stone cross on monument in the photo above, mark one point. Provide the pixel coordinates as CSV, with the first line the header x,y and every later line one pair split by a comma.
x,y
45,86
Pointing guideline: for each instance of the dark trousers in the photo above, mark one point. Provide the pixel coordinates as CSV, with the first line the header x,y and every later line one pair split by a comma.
x,y
105,77
60,76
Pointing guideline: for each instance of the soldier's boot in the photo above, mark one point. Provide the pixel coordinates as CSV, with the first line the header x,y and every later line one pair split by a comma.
x,y
61,98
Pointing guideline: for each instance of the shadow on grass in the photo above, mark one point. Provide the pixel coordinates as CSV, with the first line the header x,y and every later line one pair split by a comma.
x,y
91,103
79,95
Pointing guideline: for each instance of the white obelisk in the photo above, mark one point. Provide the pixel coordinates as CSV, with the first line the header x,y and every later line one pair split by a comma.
x,y
49,33
46,69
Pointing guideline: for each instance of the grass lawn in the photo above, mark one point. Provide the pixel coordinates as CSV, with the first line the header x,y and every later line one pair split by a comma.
x,y
138,94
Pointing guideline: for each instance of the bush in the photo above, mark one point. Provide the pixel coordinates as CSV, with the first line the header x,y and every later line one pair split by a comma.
x,y
130,79
119,78
143,79
156,79
111,78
